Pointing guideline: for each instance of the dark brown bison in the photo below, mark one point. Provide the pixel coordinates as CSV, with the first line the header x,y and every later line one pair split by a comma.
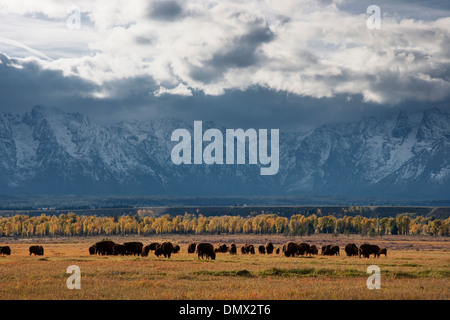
x,y
290,249
37,250
166,249
351,249
262,249
325,248
6,250
366,250
331,250
133,248
313,250
250,248
105,247
221,248
269,247
151,247
93,249
158,250
382,251
277,251
119,250
191,247
206,250
233,249
303,248
176,249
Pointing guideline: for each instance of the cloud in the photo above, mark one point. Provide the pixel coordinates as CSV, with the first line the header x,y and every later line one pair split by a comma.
x,y
165,10
314,49
180,90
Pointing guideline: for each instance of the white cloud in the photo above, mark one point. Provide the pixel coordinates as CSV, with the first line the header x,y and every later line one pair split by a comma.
x,y
180,90
310,48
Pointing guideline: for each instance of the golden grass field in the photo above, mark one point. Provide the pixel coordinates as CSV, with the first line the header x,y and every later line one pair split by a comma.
x,y
415,268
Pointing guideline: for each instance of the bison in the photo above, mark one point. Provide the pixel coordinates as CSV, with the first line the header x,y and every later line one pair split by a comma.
x,y
351,249
205,249
290,249
191,247
6,250
176,249
313,250
248,248
330,250
366,250
233,249
133,248
93,249
303,248
221,248
119,250
105,247
262,249
37,250
269,247
166,248
382,251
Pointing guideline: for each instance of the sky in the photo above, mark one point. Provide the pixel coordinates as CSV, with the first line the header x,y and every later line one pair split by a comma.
x,y
290,64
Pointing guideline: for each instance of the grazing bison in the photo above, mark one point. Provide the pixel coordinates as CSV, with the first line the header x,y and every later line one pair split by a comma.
x,y
269,247
262,249
37,250
191,247
221,248
366,250
176,249
382,251
93,249
303,248
313,250
158,250
290,249
166,249
105,247
151,247
351,249
133,248
277,251
205,249
233,249
119,250
6,250
331,250
248,248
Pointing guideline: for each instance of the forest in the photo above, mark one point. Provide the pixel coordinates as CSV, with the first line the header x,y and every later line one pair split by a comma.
x,y
146,223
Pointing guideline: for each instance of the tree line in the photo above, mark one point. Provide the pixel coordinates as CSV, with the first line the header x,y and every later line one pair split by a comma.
x,y
144,223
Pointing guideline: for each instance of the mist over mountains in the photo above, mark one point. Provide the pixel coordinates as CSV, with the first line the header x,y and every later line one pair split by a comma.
x,y
50,152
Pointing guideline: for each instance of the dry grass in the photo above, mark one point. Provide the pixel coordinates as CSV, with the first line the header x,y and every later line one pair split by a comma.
x,y
415,268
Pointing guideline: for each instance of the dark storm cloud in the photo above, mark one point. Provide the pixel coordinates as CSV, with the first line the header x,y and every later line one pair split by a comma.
x,y
165,10
242,52
24,84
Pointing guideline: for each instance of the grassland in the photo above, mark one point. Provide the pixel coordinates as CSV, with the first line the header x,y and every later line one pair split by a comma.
x,y
415,268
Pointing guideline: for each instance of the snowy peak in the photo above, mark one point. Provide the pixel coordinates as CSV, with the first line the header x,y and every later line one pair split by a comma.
x,y
51,151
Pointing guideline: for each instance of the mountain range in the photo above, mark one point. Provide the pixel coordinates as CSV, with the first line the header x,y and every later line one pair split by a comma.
x,y
49,151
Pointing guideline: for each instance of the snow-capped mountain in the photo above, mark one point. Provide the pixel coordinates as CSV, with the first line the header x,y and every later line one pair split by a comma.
x,y
48,151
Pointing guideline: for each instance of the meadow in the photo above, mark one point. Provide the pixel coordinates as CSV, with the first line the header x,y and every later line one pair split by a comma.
x,y
416,267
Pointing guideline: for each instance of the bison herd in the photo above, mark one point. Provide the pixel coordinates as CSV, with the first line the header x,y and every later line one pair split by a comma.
x,y
108,247
290,249
206,250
